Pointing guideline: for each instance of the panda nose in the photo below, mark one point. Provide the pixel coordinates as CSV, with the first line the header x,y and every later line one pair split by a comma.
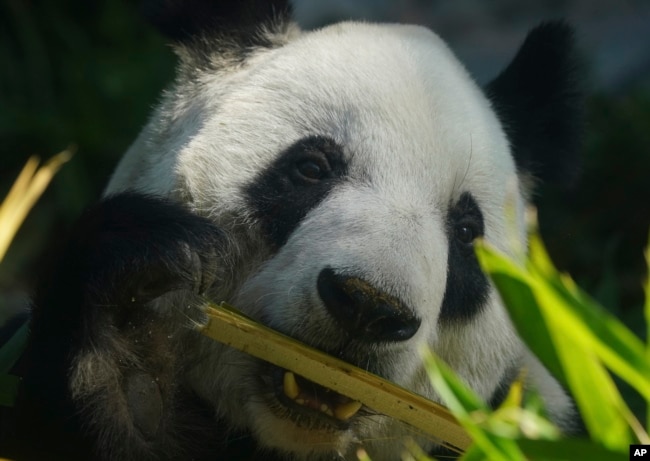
x,y
365,312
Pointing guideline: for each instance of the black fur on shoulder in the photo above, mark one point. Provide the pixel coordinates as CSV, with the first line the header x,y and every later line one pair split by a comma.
x,y
539,98
183,20
103,368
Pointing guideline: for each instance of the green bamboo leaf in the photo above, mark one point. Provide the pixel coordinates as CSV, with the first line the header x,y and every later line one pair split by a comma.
x,y
525,423
467,407
619,348
522,413
474,453
612,341
538,257
459,397
604,421
515,396
507,447
580,349
561,341
615,344
518,297
589,382
569,450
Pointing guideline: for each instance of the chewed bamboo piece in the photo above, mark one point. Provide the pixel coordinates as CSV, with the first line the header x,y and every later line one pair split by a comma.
x,y
230,327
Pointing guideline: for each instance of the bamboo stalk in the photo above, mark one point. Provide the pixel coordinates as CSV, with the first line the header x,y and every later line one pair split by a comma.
x,y
230,327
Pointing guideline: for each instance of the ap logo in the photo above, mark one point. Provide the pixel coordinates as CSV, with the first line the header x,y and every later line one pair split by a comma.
x,y
639,452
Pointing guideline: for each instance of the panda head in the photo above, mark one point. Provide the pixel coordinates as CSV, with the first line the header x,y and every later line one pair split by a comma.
x,y
353,167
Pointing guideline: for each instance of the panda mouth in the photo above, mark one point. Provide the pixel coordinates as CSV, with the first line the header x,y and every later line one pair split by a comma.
x,y
303,398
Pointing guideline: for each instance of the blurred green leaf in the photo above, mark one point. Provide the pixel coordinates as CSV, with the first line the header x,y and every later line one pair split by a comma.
x,y
564,338
569,450
606,421
470,410
587,322
460,398
513,285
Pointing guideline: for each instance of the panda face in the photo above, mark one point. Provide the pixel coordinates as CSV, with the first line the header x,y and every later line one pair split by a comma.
x,y
353,168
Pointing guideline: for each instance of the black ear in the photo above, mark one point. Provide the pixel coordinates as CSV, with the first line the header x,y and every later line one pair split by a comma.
x,y
539,98
185,20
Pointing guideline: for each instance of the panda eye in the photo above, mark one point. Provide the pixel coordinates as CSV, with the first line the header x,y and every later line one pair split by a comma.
x,y
311,170
465,222
466,233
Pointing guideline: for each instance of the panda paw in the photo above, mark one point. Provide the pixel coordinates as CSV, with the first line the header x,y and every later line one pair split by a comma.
x,y
116,357
130,249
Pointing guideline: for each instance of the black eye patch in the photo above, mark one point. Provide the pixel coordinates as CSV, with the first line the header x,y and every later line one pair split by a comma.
x,y
465,221
467,286
296,182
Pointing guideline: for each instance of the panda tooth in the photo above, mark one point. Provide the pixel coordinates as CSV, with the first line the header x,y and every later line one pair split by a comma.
x,y
345,411
290,386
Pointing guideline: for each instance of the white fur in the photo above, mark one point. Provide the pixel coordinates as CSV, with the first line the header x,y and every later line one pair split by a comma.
x,y
416,132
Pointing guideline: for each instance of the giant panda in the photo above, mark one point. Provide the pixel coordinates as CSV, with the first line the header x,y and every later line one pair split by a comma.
x,y
328,183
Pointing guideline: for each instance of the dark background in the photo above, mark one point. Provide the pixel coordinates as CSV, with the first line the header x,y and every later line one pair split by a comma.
x,y
74,72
